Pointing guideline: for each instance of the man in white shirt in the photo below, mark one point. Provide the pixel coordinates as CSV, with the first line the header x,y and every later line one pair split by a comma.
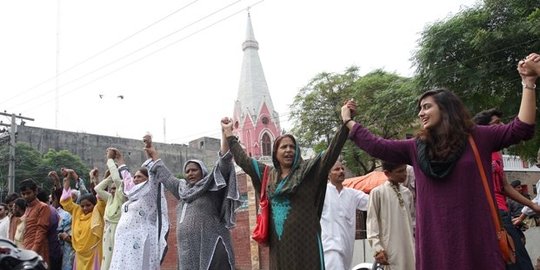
x,y
338,221
4,221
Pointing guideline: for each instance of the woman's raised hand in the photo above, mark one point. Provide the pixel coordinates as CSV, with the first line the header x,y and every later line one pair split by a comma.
x,y
227,126
149,147
111,153
348,110
532,62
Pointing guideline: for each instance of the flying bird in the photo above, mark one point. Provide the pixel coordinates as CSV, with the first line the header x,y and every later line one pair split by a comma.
x,y
100,96
121,97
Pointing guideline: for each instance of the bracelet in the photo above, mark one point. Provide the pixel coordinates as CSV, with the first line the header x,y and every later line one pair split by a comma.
x,y
346,122
526,86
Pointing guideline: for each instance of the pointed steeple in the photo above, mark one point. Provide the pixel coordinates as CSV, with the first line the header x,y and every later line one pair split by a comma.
x,y
254,112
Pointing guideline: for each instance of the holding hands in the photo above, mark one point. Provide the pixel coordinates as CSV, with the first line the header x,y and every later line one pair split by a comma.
x,y
94,175
149,148
348,111
227,126
116,155
529,70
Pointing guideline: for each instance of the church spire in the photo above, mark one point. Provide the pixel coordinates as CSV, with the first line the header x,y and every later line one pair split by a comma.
x,y
250,37
254,116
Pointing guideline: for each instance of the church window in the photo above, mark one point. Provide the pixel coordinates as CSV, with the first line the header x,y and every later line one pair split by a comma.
x,y
266,145
265,120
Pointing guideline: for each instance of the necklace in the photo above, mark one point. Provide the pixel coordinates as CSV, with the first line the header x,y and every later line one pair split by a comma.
x,y
400,198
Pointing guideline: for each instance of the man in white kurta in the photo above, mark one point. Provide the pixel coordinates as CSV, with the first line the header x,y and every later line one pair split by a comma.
x,y
4,221
338,221
389,225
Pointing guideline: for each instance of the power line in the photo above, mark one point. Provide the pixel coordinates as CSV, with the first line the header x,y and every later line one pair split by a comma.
x,y
134,61
100,52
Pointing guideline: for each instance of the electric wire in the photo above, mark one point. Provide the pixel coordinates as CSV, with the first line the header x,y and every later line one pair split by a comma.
x,y
100,52
130,54
34,107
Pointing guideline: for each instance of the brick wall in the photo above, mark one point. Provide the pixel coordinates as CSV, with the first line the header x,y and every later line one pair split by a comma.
x,y
170,261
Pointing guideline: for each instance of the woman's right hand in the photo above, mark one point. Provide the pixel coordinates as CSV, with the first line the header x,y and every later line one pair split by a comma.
x,y
227,126
149,147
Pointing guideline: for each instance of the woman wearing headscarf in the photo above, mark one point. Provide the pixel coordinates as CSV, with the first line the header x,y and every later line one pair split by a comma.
x,y
205,212
86,225
110,190
296,190
141,233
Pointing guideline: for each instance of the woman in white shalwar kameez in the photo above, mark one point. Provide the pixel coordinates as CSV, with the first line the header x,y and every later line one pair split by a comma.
x,y
140,240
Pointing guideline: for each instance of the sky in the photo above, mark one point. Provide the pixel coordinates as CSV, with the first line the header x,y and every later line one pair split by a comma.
x,y
172,68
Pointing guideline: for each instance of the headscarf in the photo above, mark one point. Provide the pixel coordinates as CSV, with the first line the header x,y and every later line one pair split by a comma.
x,y
138,191
213,181
289,183
114,203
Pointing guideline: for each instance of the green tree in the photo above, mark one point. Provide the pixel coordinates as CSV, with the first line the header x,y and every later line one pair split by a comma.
x,y
475,54
27,160
55,160
384,105
315,110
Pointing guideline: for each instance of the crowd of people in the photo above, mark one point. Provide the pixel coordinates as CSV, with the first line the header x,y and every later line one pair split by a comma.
x,y
120,221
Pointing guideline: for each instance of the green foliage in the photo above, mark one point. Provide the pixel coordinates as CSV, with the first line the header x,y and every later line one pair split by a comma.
x,y
26,160
30,163
55,160
385,102
315,110
475,54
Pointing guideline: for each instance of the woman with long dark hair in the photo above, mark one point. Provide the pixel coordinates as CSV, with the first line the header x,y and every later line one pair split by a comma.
x,y
453,222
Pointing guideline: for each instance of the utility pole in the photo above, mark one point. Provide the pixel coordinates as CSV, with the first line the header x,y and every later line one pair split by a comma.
x,y
12,144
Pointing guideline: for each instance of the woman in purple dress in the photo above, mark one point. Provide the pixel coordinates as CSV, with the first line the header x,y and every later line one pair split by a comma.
x,y
453,222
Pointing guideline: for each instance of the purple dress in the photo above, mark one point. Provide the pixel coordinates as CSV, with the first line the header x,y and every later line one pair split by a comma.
x,y
453,221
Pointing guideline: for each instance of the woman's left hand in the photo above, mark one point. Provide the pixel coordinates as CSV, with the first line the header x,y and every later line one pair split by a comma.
x,y
348,110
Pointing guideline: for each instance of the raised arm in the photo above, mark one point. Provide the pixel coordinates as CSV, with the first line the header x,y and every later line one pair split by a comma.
x,y
101,187
66,200
112,155
161,173
55,179
396,151
240,157
529,70
225,163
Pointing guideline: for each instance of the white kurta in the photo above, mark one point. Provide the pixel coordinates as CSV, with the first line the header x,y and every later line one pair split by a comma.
x,y
389,225
338,224
4,227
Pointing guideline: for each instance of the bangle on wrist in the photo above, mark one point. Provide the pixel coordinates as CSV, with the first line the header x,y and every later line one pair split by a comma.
x,y
527,86
349,120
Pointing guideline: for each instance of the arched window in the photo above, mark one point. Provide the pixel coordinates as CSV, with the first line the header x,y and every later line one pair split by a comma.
x,y
266,145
